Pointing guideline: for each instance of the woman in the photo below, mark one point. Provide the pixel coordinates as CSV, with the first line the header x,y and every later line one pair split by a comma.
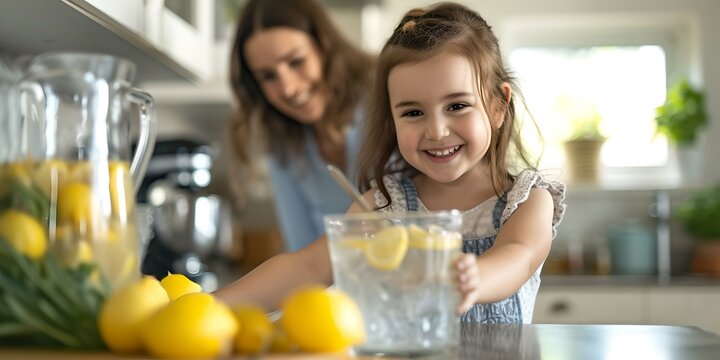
x,y
300,88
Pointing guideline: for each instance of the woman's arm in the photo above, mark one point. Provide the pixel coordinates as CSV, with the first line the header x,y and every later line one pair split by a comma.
x,y
521,246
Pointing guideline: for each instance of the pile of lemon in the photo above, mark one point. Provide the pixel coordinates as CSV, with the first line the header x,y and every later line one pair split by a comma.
x,y
173,318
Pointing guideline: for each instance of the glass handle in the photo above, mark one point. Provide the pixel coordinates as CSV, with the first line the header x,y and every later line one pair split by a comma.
x,y
146,140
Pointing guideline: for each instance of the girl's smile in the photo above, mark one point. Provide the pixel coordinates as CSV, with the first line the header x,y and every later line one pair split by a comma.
x,y
444,154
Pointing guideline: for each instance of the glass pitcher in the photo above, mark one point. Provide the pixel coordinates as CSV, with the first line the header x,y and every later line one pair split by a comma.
x,y
70,170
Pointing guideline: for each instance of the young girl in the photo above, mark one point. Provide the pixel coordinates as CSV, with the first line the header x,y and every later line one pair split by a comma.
x,y
439,134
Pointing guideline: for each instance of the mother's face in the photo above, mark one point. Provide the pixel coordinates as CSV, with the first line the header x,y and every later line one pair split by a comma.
x,y
288,65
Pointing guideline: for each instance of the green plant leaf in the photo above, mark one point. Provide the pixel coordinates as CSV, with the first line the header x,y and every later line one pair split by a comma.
x,y
683,114
701,213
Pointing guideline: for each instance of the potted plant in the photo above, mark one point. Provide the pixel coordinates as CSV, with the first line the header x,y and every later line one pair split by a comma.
x,y
582,148
681,118
700,214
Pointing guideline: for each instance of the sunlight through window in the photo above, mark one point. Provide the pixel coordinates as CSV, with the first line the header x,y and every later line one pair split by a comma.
x,y
622,85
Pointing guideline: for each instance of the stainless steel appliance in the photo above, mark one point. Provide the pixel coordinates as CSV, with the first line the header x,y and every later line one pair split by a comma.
x,y
187,225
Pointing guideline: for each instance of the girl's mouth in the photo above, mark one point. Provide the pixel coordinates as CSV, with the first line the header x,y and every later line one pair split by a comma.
x,y
444,153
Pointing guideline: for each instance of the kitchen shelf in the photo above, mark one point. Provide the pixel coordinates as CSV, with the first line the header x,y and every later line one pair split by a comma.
x,y
33,27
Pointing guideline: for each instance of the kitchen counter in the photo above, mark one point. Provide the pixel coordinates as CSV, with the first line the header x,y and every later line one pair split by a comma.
x,y
506,341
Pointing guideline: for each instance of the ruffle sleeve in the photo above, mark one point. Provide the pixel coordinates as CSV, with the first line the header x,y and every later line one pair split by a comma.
x,y
520,191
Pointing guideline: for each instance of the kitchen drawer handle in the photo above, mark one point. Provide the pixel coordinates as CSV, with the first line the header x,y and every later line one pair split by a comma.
x,y
560,307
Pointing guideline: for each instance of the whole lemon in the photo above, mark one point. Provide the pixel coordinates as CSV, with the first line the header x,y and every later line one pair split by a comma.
x,y
324,320
126,310
74,205
178,285
256,330
24,233
193,326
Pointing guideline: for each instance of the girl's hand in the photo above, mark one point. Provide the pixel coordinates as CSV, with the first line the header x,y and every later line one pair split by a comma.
x,y
467,280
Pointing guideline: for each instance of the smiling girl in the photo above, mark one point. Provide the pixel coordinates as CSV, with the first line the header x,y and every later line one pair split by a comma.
x,y
439,135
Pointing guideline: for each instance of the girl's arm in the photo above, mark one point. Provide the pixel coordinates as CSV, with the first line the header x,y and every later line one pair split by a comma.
x,y
271,282
522,244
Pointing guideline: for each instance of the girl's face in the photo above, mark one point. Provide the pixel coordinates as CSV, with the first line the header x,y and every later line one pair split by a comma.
x,y
443,130
289,68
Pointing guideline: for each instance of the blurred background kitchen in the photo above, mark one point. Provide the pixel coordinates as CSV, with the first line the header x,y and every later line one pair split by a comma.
x,y
593,74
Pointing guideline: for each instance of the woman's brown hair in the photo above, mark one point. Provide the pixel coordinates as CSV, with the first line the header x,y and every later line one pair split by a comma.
x,y
422,34
346,70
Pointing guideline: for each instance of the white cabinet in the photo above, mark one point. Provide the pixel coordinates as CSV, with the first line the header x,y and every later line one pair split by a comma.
x,y
596,305
185,30
168,40
129,13
672,305
685,306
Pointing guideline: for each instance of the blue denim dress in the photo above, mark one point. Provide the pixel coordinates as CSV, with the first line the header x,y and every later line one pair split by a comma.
x,y
505,311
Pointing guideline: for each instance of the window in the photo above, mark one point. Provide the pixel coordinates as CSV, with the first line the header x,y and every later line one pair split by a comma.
x,y
612,67
622,85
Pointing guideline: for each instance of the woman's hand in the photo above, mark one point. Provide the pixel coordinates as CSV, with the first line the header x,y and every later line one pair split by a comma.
x,y
467,281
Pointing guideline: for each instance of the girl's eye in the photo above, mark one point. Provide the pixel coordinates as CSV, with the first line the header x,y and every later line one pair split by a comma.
x,y
412,113
457,107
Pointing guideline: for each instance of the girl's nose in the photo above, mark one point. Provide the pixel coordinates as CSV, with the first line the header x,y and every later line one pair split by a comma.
x,y
436,128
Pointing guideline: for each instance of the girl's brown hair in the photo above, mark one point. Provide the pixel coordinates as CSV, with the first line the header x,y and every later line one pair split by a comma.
x,y
422,34
346,70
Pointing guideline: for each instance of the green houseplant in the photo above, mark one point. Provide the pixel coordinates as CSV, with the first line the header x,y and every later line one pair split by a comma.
x,y
683,115
682,119
700,214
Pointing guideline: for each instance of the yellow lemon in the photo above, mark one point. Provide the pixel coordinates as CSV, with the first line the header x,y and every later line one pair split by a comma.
x,y
354,242
51,174
441,240
123,313
256,331
322,320
178,285
24,233
75,206
19,171
386,250
193,326
122,195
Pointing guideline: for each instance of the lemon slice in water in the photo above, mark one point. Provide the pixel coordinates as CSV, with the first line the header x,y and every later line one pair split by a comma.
x,y
386,250
433,240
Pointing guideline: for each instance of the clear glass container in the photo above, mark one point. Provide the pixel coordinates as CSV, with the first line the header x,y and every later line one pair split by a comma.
x,y
68,166
397,268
